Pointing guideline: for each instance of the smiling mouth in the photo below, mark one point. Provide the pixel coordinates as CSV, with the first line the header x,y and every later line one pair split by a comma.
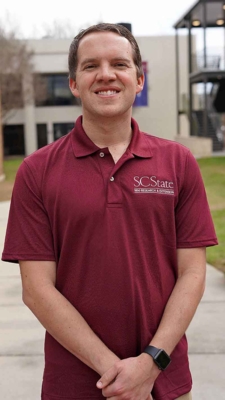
x,y
107,92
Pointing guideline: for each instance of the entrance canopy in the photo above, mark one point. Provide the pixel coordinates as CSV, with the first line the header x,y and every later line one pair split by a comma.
x,y
197,17
205,76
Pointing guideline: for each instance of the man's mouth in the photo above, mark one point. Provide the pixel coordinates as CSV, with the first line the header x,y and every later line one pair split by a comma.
x,y
107,92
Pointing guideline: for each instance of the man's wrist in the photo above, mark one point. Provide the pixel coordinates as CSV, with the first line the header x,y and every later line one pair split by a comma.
x,y
152,371
106,363
159,356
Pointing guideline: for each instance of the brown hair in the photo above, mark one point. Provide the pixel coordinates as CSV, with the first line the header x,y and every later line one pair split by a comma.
x,y
103,27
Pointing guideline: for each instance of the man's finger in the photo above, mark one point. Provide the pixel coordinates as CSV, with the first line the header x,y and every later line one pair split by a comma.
x,y
107,378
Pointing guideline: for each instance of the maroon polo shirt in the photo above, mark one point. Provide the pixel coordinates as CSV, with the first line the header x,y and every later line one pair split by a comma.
x,y
113,230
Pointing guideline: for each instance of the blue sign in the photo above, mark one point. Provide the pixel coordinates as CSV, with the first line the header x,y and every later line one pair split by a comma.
x,y
141,98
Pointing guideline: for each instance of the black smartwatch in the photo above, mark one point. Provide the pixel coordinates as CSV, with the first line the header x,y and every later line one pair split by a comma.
x,y
160,357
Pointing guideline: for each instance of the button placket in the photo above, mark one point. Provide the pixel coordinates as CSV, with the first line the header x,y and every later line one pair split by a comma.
x,y
109,169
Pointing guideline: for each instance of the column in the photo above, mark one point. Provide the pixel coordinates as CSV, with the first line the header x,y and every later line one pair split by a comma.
x,y
30,132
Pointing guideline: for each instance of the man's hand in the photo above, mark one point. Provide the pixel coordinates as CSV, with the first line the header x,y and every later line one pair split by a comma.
x,y
132,378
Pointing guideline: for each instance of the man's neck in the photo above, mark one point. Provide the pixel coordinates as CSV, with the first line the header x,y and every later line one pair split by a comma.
x,y
115,134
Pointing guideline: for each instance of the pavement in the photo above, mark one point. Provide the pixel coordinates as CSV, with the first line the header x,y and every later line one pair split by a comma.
x,y
22,337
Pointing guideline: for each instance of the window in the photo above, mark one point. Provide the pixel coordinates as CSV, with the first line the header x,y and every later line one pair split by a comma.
x,y
42,135
13,140
62,129
54,90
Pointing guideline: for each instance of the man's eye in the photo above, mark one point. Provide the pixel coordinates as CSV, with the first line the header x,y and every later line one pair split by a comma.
x,y
120,65
89,66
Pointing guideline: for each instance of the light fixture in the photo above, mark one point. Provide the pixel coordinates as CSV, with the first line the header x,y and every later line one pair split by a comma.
x,y
224,7
220,22
196,22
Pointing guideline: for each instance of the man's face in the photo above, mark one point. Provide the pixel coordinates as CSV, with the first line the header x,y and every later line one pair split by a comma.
x,y
106,76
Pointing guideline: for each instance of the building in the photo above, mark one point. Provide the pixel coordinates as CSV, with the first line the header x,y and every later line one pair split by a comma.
x,y
206,71
39,124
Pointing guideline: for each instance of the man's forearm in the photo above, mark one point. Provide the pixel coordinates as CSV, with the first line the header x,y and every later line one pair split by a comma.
x,y
180,308
178,313
69,328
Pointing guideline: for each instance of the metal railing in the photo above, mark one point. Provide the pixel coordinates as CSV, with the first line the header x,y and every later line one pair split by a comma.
x,y
214,117
212,62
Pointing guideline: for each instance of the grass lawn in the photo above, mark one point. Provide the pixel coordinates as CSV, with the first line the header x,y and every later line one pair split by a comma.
x,y
213,173
11,165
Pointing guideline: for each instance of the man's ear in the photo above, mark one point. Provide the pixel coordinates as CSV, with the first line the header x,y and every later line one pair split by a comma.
x,y
73,87
140,83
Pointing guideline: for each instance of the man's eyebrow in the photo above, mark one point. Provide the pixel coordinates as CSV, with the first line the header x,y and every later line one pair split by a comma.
x,y
88,60
121,59
91,60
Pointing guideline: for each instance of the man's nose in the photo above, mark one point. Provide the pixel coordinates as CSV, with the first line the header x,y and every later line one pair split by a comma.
x,y
106,72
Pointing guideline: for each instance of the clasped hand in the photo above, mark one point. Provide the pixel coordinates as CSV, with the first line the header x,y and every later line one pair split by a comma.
x,y
129,379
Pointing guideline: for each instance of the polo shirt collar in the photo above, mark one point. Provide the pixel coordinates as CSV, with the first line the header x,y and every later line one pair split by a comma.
x,y
139,145
83,145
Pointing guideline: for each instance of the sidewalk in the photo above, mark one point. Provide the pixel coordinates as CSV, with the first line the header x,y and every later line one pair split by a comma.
x,y
21,337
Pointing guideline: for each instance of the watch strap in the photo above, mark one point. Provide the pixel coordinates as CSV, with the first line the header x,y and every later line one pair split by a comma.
x,y
151,350
160,357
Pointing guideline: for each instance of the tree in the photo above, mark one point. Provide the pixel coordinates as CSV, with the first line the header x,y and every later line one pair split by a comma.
x,y
16,80
62,29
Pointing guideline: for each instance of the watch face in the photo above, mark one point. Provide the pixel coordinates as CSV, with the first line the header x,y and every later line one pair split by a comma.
x,y
162,359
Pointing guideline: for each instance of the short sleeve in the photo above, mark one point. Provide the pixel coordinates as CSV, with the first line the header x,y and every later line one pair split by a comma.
x,y
194,223
28,234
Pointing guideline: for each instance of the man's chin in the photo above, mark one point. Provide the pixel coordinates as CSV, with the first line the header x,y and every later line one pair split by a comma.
x,y
112,113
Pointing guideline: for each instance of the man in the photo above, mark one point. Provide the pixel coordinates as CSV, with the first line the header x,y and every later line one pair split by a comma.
x,y
110,226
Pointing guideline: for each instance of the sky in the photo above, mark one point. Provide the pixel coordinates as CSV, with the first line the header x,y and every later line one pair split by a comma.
x,y
147,17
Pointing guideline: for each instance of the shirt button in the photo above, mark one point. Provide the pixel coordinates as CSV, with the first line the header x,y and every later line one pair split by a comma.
x,y
102,154
112,178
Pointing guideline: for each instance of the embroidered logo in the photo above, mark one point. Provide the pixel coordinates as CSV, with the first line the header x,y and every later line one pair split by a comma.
x,y
150,184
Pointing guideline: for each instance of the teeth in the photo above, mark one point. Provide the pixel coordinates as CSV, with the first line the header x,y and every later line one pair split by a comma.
x,y
107,92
